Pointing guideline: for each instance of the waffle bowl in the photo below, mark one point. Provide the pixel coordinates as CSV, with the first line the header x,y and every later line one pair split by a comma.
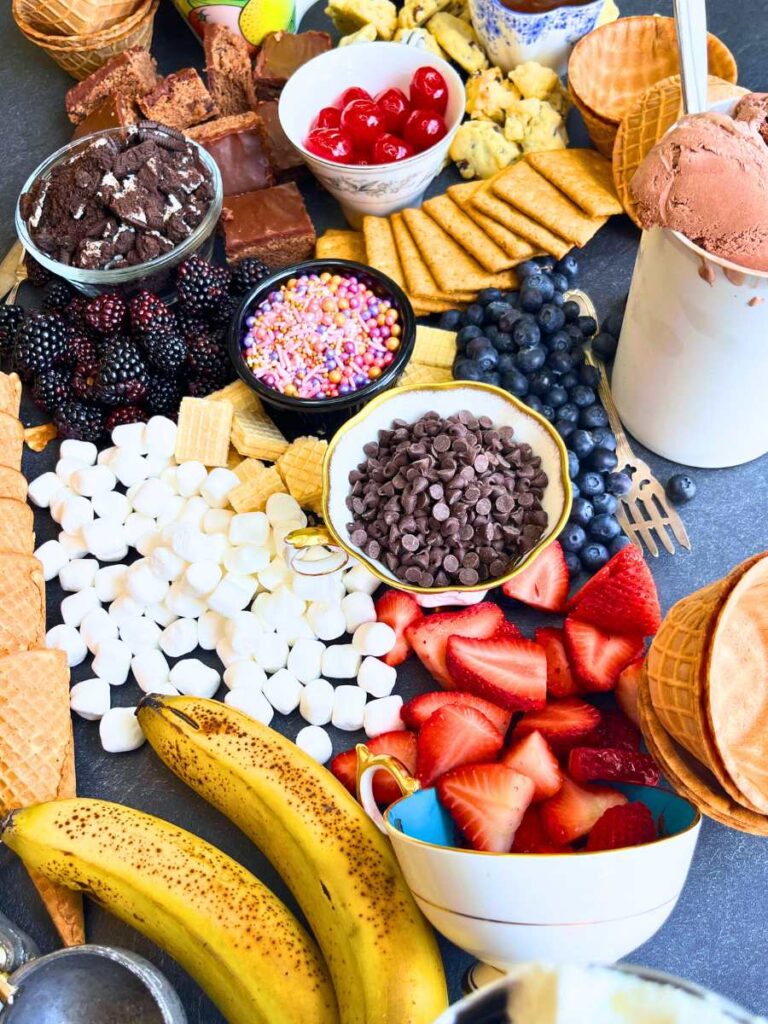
x,y
602,132
77,17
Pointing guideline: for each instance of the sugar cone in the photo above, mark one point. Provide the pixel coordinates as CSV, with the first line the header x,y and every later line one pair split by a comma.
x,y
16,526
10,393
77,17
602,132
22,603
11,440
37,760
13,484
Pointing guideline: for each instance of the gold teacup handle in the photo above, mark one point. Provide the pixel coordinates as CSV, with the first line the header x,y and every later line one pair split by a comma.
x,y
367,766
313,537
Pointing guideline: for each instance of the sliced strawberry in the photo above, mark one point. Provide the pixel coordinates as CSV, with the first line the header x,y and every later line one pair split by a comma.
x,y
428,636
508,672
507,630
623,599
598,657
562,723
614,731
417,711
544,583
399,610
531,836
455,735
591,764
532,756
400,744
560,681
629,825
487,803
627,688
572,812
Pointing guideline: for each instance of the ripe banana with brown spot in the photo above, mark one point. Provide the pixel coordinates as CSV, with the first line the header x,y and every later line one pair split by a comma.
x,y
381,952
234,936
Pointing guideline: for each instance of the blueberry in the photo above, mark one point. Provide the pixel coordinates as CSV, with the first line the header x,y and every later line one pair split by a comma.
x,y
573,538
603,460
515,383
590,484
568,265
474,314
573,563
560,362
526,269
560,282
580,395
531,299
542,283
558,342
488,295
593,557
541,382
604,438
604,346
451,320
488,360
618,544
528,360
577,338
506,362
526,333
582,512
491,332
569,380
588,375
568,412
572,311
494,311
575,490
618,483
593,416
587,325
491,378
574,466
502,341
613,322
582,443
564,428
577,355
556,396
558,299
508,321
466,334
605,504
467,369
681,488
548,412
478,345
604,528
550,318
533,402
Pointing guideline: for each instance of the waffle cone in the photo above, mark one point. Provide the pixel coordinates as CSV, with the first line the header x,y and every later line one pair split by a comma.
x,y
22,603
77,17
602,132
37,760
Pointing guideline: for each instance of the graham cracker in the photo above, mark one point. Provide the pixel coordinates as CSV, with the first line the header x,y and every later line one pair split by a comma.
x,y
251,495
301,467
204,431
16,527
10,393
425,307
584,176
434,347
486,202
420,373
515,246
380,248
22,603
11,440
421,283
13,484
37,438
341,245
469,235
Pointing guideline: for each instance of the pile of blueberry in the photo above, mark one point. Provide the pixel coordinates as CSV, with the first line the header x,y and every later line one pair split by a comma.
x,y
531,343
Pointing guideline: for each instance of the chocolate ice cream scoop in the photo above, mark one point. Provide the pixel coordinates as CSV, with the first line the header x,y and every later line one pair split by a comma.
x,y
753,109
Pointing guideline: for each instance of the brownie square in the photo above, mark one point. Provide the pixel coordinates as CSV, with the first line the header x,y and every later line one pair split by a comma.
x,y
238,144
229,70
130,74
281,54
179,101
115,111
287,162
272,224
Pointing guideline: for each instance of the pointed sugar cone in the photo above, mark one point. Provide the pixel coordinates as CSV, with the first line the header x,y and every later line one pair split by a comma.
x,y
22,603
37,760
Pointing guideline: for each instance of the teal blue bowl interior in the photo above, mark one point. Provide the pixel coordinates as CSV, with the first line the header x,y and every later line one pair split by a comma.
x,y
422,817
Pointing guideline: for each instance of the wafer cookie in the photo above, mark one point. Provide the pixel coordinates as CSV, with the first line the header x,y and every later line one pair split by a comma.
x,y
204,431
22,603
341,245
420,373
301,467
253,432
251,495
434,347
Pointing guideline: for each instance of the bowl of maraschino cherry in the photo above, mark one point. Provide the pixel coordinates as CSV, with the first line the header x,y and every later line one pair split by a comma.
x,y
374,123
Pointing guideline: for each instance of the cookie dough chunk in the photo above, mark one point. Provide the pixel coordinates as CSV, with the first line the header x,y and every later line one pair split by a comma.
x,y
535,82
489,95
480,149
416,13
421,38
366,34
350,15
535,126
459,41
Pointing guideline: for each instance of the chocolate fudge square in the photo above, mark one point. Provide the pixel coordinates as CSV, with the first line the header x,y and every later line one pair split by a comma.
x,y
115,111
281,54
238,144
272,224
179,101
229,70
130,74
287,162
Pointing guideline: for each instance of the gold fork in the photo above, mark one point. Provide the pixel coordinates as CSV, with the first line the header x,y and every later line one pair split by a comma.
x,y
645,510
12,273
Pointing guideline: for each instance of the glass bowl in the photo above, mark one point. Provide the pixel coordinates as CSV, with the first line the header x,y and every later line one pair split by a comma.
x,y
155,274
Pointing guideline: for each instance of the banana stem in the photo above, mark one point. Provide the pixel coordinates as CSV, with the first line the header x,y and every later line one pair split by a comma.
x,y
7,990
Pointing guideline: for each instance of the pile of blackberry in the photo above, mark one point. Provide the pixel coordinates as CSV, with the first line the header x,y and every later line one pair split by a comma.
x,y
95,363
531,343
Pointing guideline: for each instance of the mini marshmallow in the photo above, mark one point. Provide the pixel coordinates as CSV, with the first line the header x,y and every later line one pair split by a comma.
x,y
78,574
232,594
382,715
109,582
316,706
316,742
376,678
246,560
217,547
140,634
106,539
243,632
119,729
152,497
281,531
59,502
76,514
150,670
124,608
190,477
97,625
129,467
73,544
358,608
179,638
66,638
306,659
281,508
182,601
274,575
272,653
147,542
282,607
376,638
137,526
160,614
166,563
217,486
174,507
93,480
283,691
327,620
43,489
144,585
130,435
250,702
226,655
160,435
210,629
111,505
202,577
348,708
359,579
112,661
85,451
341,662
217,520
75,607
157,463
294,630
90,699
320,588
66,468
188,542
194,511
249,528
105,456
245,675
260,604
52,557
194,678
168,476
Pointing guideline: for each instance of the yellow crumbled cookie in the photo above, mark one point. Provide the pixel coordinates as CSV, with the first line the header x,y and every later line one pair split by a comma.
x,y
366,34
421,38
489,95
459,41
535,126
480,149
301,467
251,495
350,15
37,438
204,429
536,82
416,13
610,12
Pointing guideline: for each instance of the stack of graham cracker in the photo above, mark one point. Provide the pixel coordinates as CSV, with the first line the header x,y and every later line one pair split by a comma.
x,y
475,235
37,755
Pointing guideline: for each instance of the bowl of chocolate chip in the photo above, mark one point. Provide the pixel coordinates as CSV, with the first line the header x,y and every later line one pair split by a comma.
x,y
446,487
119,209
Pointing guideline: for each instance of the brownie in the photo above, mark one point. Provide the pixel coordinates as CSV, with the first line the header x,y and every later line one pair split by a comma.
x,y
130,74
287,162
281,54
228,70
114,111
271,224
238,144
179,101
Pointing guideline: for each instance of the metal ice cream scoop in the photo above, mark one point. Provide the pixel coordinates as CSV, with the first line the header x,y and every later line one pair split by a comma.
x,y
691,25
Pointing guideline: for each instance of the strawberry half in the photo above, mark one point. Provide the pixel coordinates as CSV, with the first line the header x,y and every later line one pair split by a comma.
x,y
630,825
614,731
401,745
531,836
560,680
455,735
417,711
399,610
627,689
544,583
562,723
511,672
598,657
428,636
622,597
507,630
532,756
487,802
588,764
572,812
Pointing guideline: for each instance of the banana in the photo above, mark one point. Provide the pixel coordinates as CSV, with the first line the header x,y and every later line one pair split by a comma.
x,y
235,937
381,952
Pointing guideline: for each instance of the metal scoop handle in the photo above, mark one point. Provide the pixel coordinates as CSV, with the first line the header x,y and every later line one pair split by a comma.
x,y
691,26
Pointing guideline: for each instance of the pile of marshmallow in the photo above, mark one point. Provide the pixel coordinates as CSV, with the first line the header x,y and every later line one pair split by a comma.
x,y
210,578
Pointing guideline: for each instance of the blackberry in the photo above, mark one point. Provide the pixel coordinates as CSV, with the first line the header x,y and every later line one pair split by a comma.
x,y
225,311
40,342
37,275
58,296
208,359
163,397
125,414
148,313
166,352
190,323
201,387
80,420
201,286
74,313
247,274
122,377
106,313
82,349
51,390
11,318
84,381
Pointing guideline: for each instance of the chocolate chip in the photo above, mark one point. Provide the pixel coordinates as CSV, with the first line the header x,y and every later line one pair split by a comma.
x,y
468,577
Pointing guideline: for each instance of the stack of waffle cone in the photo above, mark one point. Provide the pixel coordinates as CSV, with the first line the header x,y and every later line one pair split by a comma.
x,y
77,17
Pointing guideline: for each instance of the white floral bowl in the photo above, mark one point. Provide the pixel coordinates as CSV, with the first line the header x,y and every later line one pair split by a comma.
x,y
383,188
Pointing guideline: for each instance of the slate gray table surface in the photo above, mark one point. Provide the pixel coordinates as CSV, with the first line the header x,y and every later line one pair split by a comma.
x,y
717,936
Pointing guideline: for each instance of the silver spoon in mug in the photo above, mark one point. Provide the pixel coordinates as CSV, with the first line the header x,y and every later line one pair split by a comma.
x,y
691,27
